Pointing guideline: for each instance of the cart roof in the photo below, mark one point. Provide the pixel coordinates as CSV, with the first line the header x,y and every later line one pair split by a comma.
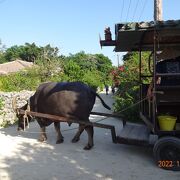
x,y
140,35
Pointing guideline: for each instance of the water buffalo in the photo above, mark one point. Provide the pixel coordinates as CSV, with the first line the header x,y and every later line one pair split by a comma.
x,y
67,99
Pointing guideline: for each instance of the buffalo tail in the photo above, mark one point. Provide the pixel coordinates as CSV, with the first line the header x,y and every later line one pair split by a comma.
x,y
102,101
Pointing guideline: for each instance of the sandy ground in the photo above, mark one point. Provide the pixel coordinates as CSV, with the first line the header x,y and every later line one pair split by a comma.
x,y
22,157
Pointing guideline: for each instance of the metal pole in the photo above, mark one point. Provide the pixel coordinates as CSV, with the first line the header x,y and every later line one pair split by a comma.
x,y
118,59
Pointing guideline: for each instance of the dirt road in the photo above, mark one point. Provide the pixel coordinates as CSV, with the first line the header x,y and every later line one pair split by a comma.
x,y
22,157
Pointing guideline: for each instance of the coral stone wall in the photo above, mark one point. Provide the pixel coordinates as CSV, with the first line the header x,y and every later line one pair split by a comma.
x,y
7,115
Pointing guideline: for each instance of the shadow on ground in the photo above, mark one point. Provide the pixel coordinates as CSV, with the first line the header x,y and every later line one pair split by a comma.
x,y
22,157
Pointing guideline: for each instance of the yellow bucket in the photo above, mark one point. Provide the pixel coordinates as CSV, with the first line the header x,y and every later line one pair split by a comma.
x,y
167,122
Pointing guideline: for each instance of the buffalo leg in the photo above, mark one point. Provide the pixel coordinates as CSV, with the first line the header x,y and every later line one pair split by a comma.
x,y
78,134
43,136
60,138
90,132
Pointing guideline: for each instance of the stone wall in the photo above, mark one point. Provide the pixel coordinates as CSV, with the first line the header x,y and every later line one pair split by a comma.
x,y
7,115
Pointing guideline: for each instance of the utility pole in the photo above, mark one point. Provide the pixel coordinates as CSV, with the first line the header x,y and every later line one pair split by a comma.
x,y
157,10
118,59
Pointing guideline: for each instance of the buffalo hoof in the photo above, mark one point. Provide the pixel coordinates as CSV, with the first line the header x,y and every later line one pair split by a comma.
x,y
59,141
88,147
42,139
74,140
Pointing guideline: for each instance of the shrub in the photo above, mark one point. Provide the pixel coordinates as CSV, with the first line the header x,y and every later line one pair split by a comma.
x,y
127,79
19,81
125,101
30,78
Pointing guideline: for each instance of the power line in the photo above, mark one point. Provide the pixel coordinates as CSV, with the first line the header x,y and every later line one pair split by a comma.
x,y
145,2
128,10
1,1
135,9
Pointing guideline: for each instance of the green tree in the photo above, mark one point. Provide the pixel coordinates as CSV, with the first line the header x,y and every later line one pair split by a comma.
x,y
83,60
73,71
12,53
31,52
93,68
2,52
104,66
49,52
103,63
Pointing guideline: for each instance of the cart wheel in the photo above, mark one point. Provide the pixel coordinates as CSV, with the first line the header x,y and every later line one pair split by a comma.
x,y
167,153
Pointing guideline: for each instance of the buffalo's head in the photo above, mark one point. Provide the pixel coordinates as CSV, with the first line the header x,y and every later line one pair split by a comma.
x,y
22,119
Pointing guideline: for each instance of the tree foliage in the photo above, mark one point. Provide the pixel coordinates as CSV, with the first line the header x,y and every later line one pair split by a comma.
x,y
92,69
30,52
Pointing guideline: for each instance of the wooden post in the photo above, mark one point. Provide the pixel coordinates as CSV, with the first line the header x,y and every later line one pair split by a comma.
x,y
157,17
157,10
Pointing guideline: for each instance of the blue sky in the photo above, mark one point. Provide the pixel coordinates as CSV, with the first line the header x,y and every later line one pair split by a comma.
x,y
73,25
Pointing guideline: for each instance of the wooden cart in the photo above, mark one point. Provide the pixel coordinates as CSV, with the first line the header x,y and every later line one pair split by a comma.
x,y
154,37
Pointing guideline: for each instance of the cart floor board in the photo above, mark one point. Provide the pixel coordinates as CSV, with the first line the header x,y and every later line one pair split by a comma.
x,y
136,134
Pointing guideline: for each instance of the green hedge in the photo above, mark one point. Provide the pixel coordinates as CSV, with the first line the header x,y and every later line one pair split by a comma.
x,y
126,98
31,78
19,81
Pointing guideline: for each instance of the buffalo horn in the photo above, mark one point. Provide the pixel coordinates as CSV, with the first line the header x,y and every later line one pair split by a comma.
x,y
14,104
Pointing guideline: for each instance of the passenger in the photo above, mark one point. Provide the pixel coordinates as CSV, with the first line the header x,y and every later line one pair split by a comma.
x,y
113,89
107,89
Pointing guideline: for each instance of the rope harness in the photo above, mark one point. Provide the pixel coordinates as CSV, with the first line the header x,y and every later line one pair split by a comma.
x,y
25,116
